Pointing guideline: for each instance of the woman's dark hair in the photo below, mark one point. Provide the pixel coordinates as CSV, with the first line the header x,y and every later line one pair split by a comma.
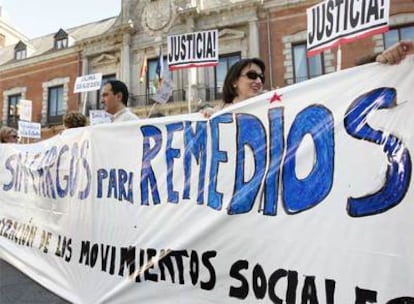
x,y
229,91
118,86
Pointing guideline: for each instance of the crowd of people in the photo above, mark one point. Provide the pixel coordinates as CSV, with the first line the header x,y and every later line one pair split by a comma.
x,y
245,79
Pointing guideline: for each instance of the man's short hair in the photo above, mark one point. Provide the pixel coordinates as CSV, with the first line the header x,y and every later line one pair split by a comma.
x,y
118,86
74,119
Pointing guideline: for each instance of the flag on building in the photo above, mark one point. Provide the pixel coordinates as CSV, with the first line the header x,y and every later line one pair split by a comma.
x,y
144,68
160,68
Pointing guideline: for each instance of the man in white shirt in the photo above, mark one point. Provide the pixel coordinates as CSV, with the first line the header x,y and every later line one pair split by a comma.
x,y
115,97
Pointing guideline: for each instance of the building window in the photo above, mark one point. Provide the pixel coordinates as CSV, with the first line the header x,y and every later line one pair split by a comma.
x,y
61,39
306,67
21,54
105,78
220,72
13,110
55,105
397,34
20,51
61,43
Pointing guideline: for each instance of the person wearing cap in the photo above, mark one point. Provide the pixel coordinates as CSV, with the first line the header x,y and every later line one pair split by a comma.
x,y
115,98
8,135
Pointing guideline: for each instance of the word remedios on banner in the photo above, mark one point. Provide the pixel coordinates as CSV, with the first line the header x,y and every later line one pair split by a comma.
x,y
271,161
274,163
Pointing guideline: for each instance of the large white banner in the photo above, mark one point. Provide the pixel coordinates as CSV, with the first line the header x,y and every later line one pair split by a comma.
x,y
333,22
305,199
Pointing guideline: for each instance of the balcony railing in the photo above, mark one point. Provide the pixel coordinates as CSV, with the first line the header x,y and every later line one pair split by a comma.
x,y
141,100
206,94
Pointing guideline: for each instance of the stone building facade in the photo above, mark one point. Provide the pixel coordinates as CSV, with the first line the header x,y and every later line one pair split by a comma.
x,y
274,30
141,33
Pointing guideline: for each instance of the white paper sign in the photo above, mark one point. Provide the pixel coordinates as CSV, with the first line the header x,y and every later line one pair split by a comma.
x,y
29,129
331,23
164,92
91,82
25,109
97,117
193,50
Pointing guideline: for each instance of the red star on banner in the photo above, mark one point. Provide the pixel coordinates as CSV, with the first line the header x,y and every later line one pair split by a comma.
x,y
275,97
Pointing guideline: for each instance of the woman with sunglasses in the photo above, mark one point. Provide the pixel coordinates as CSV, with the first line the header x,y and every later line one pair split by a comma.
x,y
244,79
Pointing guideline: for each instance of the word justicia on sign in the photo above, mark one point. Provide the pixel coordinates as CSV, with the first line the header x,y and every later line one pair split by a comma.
x,y
200,48
329,21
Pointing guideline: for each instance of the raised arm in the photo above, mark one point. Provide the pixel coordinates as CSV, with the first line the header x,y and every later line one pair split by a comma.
x,y
396,53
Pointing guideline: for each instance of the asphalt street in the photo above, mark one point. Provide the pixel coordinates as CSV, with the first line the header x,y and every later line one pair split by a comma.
x,y
17,288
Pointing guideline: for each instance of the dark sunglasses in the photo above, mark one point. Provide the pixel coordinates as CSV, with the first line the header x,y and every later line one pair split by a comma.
x,y
253,75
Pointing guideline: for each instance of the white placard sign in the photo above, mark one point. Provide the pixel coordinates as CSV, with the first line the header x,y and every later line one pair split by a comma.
x,y
331,23
25,109
300,195
97,117
29,129
91,82
164,92
193,50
